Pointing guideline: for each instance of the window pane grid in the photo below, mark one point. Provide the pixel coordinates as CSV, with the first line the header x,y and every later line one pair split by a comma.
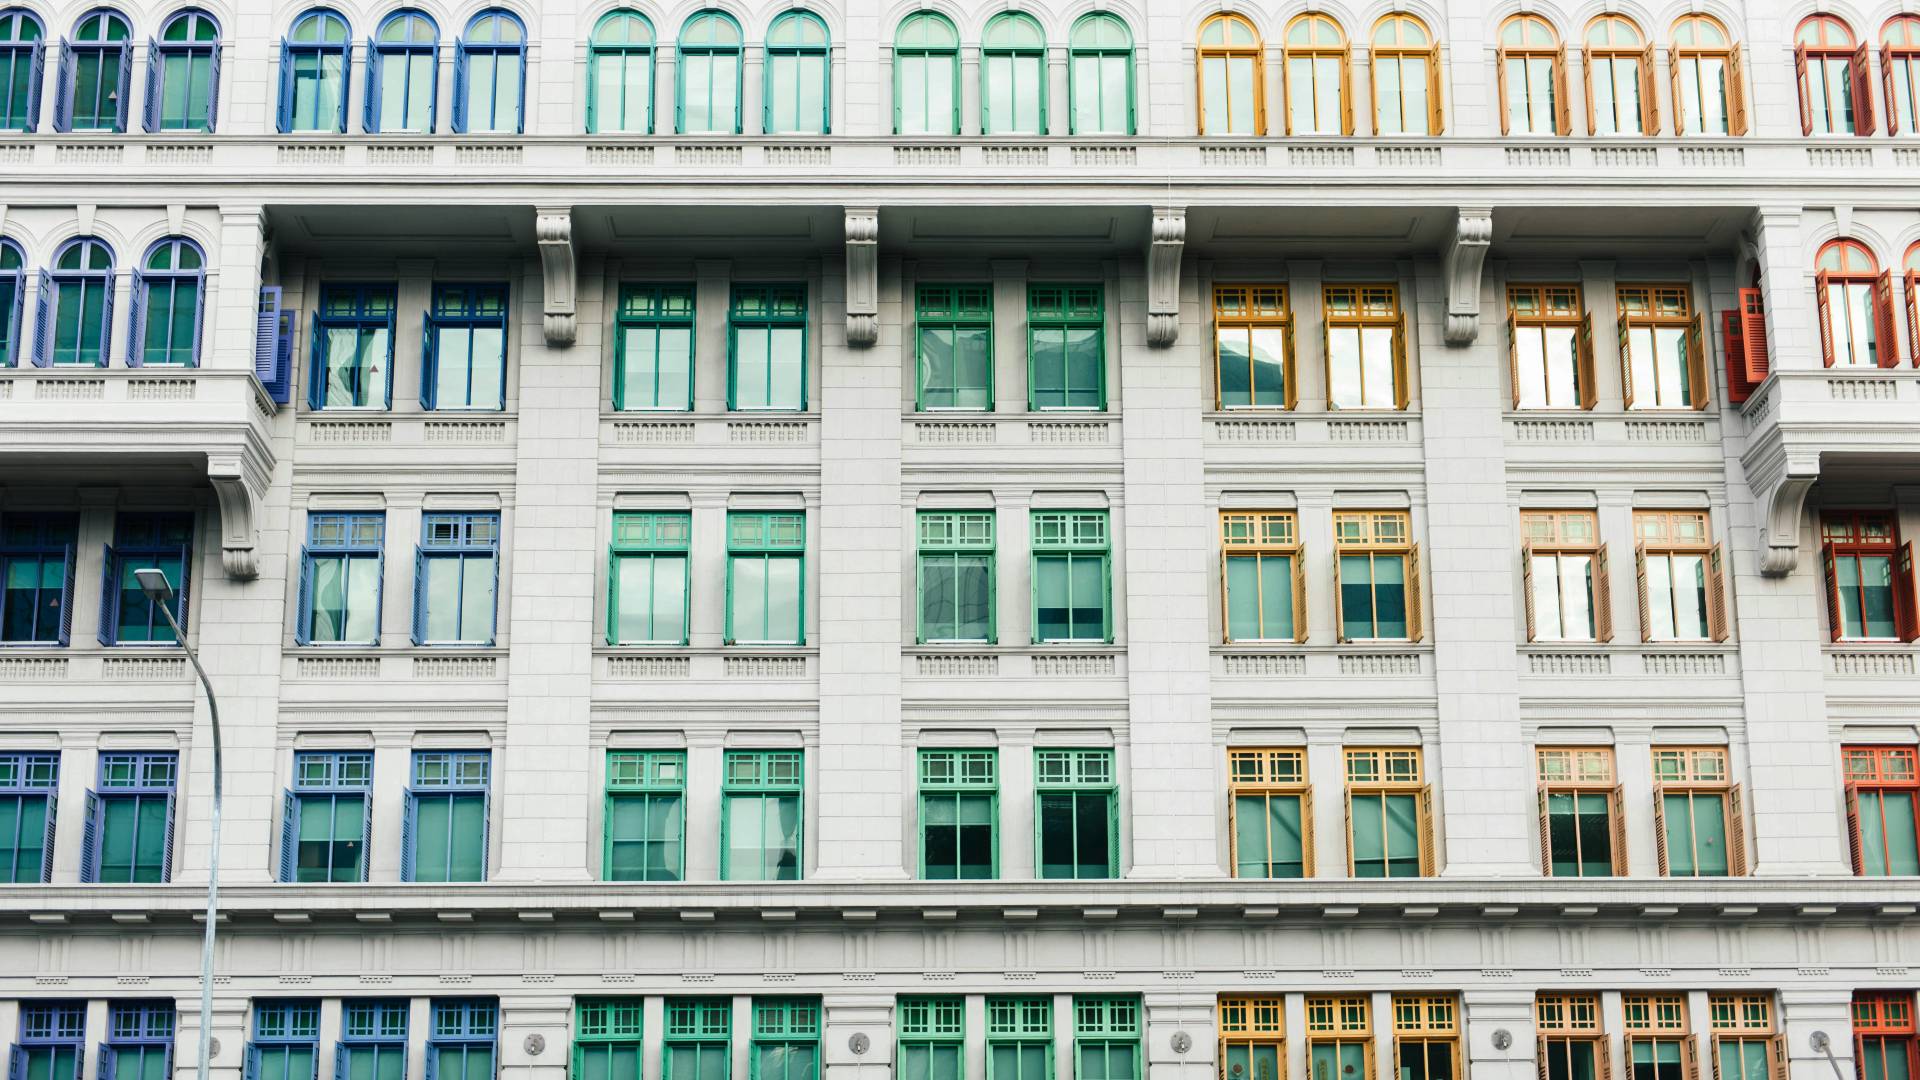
x,y
646,770
608,1019
465,1019
941,1018
29,772
1073,768
1576,766
1250,769
451,769
786,1018
1425,1014
1690,766
315,770
1740,1014
698,1019
962,769
1106,1017
286,1021
1329,1015
374,1021
138,771
53,1023
1019,1018
1655,1014
1567,1014
1383,767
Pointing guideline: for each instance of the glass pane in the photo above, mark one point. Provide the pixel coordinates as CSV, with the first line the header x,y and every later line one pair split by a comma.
x,y
1902,848
1236,370
1243,598
1389,596
432,840
1876,591
1368,835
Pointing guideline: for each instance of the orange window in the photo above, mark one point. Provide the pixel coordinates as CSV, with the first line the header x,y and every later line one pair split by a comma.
x,y
1883,1034
1663,348
1318,76
1681,582
1340,1037
1911,266
1426,1036
1835,75
1582,813
1232,77
1565,570
1619,73
1698,827
1549,347
1658,1036
1746,1043
1572,1043
1709,90
1532,73
1253,1038
1900,73
1855,300
1406,78
1883,817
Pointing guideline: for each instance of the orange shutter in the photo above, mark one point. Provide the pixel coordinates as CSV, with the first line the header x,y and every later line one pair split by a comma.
x,y
1500,77
1605,1049
1540,1059
1753,331
1346,90
1862,71
1913,314
1415,619
1589,397
1660,829
1806,101
1626,363
1513,357
1649,96
1889,345
1562,109
1690,1057
1617,823
1698,384
1587,60
1835,625
1776,1059
1306,831
1853,831
1300,594
1291,392
1676,65
1526,578
1436,108
1736,94
1716,594
1713,1051
1226,602
1646,609
1733,343
1602,596
1736,834
1821,281
1886,90
1546,835
1339,623
1905,621
1349,831
1401,395
1429,858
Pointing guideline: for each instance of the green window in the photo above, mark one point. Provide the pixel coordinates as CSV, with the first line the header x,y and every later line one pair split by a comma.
x,y
1100,76
1013,73
464,1042
1077,796
28,794
181,94
446,826
129,828
100,59
1066,348
932,1038
646,815
698,1039
956,576
620,74
326,825
1019,1038
139,1042
286,1041
1694,828
20,56
926,76
760,826
653,348
606,1039
466,350
647,594
1072,577
795,93
954,339
373,1040
1106,1038
52,1041
767,346
786,1039
766,578
959,814
709,73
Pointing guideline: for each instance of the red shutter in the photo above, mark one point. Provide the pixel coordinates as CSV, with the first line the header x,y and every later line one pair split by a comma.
x,y
1913,314
1820,282
1753,327
1883,320
1863,90
1906,624
1526,585
1806,102
1734,342
1853,831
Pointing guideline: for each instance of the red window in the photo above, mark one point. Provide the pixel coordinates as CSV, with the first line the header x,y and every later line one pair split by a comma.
x,y
1900,73
1745,332
1869,577
1836,80
1856,307
1883,1035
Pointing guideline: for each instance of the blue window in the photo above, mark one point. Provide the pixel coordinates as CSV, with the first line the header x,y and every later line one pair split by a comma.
x,y
490,75
36,578
341,568
163,541
456,574
139,1042
94,65
28,798
373,1040
352,366
20,53
13,292
445,835
466,348
183,74
286,1041
403,69
325,828
53,1040
620,74
795,94
73,316
129,825
313,73
464,1040
169,298
709,72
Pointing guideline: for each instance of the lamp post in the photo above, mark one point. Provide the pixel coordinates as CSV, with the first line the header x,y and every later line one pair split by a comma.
x,y
153,582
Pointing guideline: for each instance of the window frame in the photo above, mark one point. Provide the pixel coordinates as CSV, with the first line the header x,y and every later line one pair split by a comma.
x,y
283,1025
661,774
785,1023
473,534
1846,251
1365,306
931,1025
466,50
659,308
1542,306
1577,771
293,50
1685,770
781,307
53,1027
1427,1021
955,545
348,549
1683,52
1260,535
1884,1018
1429,57
1654,307
799,53
465,306
1559,534
768,548
1653,1019
373,1025
1371,540
26,775
1013,54
456,783
599,52
1896,59
1385,775
1644,60
1857,535
1267,773
765,784
610,1024
25,42
137,775
1857,104
1250,309
1742,1018
1878,770
951,308
146,281
657,542
1339,1021
1570,1020
1020,1022
1080,778
1067,543
1099,52
1663,533
366,318
42,537
137,540
1252,1023
685,48
378,49
1066,307
1555,54
926,53
957,782
342,777
13,301
1107,1022
160,50
1342,53
53,280
467,1024
100,41
1227,53
142,1026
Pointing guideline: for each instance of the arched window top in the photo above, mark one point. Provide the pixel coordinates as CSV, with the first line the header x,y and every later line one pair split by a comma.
x,y
1314,30
101,26
1843,256
190,28
926,30
1528,32
408,27
1702,32
84,254
1901,32
797,30
19,27
623,29
1912,263
1229,31
1013,30
1401,31
1614,32
10,257
175,255
1102,31
495,27
319,27
1823,32
710,30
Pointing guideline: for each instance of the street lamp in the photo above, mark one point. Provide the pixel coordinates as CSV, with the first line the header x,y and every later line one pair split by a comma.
x,y
153,582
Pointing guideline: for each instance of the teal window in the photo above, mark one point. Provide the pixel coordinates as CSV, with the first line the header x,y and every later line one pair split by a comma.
x,y
286,1041
128,835
1106,1038
1376,576
1019,1038
1264,586
340,579
403,72
653,349
606,1039
1881,810
52,1040
36,578
326,826
466,348
13,280
786,1039
1077,795
94,68
464,1041
1100,75
956,576
162,541
1066,348
1072,576
1272,819
796,77
1013,72
352,364
926,76
1696,813
959,814
932,1038
313,74
646,815
954,340
1746,1057
1389,811
767,348
698,1040
373,1040
74,317
183,81
29,797
20,56
139,1042
490,74
445,837
647,595
709,73
761,817
169,295
456,576
620,74
766,578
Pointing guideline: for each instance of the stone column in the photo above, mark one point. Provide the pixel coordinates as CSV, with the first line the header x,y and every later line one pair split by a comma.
x,y
229,1034
1487,1013
1805,1011
1169,1016
535,1035
844,1053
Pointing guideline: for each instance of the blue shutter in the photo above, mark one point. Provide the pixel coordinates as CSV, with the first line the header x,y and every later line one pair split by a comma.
x,y
433,81
66,600
493,627
16,1063
36,74
370,108
17,331
520,116
107,1061
63,89
317,367
419,596
42,354
150,114
46,848
106,324
379,592
186,580
459,84
90,843
289,832
391,334
406,853
433,1061
213,87
199,317
251,1071
284,114
126,78
486,813
429,357
342,1057
280,389
266,334
109,628
366,833
137,324
166,853
303,609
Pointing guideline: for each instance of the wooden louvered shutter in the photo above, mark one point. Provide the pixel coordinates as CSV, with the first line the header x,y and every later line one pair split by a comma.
x,y
1713,1052
1853,831
1862,72
1416,621
1717,593
1526,584
1736,834
1429,858
1602,596
1562,109
1646,608
1913,315
1339,622
1698,385
1300,594
1650,94
1226,601
1690,1057
1626,364
1736,94
1436,105
1402,393
1513,357
1546,834
1753,336
1587,60
1291,392
1617,824
1589,395
1349,799
1821,282
1836,626
1806,100
1906,623
1675,68
1660,828
1776,1059
1604,1047
1733,344
1886,90
1346,91
1889,345
1500,77
1540,1059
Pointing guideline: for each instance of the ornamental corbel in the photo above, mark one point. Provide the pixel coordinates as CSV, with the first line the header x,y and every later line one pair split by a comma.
x,y
1465,255
239,536
1784,504
1163,275
553,230
863,275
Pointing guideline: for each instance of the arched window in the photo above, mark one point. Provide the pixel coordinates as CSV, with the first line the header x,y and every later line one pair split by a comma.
x,y
94,65
1319,101
13,289
795,91
710,75
620,74
1533,78
1013,76
1620,95
313,73
183,74
1232,80
169,295
73,316
926,76
1836,96
403,73
20,53
1900,73
490,74
1856,307
1406,78
1100,76
1708,94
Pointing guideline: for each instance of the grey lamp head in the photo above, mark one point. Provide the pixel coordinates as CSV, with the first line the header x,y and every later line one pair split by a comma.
x,y
153,582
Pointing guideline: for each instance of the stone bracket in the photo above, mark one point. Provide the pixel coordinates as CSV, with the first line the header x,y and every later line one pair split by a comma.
x,y
240,498
1461,262
1163,275
1784,498
553,231
863,275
